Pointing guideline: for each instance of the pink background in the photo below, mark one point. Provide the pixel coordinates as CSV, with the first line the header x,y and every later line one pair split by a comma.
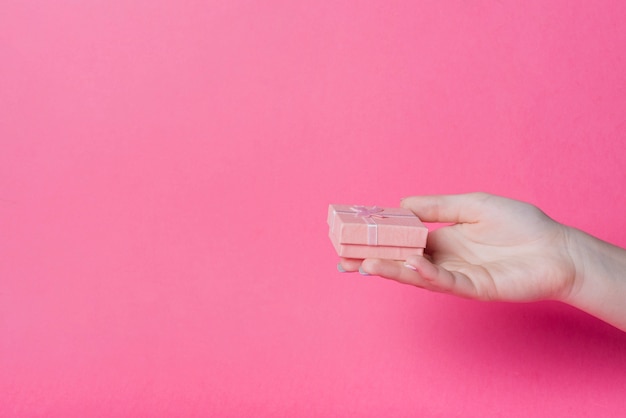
x,y
165,171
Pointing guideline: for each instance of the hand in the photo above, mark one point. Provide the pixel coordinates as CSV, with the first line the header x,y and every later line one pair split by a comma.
x,y
495,249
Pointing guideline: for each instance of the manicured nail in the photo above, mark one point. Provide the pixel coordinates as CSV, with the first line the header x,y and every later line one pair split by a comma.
x,y
410,266
340,268
363,272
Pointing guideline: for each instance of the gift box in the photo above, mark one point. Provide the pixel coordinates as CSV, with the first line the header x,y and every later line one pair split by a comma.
x,y
374,232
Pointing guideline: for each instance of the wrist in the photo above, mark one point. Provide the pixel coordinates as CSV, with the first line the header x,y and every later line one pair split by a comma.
x,y
599,285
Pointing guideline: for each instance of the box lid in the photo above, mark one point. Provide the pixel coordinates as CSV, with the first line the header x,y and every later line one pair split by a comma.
x,y
376,226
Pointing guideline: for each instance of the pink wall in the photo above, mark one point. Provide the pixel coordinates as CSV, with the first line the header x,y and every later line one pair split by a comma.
x,y
165,168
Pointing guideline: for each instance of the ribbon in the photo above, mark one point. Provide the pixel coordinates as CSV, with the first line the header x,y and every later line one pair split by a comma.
x,y
369,215
368,212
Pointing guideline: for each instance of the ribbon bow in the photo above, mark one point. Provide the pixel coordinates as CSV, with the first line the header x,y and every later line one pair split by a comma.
x,y
368,212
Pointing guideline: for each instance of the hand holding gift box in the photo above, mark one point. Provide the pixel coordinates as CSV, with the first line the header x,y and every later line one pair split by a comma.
x,y
494,248
374,232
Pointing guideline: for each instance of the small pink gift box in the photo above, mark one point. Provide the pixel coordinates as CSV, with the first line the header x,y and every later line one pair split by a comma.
x,y
373,232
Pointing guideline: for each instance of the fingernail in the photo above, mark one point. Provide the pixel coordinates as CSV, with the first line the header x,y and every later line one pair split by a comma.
x,y
340,268
363,272
410,266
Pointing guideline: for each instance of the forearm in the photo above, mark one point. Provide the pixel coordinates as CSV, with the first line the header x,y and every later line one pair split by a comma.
x,y
600,285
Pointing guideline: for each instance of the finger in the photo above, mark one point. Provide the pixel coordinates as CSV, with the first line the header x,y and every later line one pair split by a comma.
x,y
448,281
393,270
420,272
460,208
349,265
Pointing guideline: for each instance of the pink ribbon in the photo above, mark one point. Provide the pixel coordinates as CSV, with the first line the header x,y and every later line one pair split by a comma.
x,y
368,212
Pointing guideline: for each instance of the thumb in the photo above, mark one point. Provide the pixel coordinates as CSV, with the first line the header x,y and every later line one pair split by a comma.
x,y
459,208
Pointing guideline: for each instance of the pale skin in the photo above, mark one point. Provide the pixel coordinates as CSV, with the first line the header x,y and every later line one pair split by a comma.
x,y
499,249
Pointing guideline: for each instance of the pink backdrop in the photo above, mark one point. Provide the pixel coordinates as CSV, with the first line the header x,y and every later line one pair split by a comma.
x,y
165,169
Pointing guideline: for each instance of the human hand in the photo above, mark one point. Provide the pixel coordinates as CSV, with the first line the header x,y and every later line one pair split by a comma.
x,y
495,249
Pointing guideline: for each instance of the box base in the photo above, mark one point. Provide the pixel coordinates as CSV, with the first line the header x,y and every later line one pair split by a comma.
x,y
366,251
